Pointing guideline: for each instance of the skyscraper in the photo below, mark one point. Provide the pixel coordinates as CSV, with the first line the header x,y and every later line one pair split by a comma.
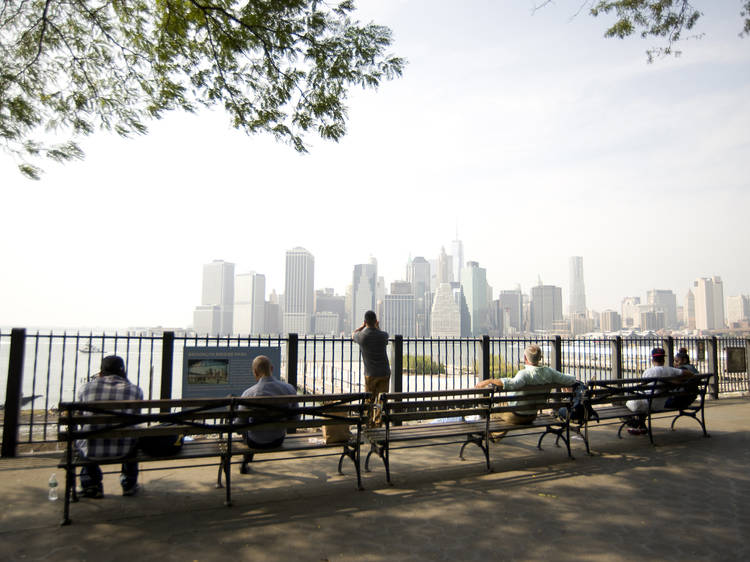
x,y
214,315
610,321
709,303
418,274
630,313
512,302
738,309
299,291
445,318
457,258
546,306
249,303
444,267
364,290
667,301
577,298
475,290
399,315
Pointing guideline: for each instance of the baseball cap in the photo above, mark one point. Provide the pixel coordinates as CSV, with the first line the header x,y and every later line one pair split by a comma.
x,y
113,365
657,353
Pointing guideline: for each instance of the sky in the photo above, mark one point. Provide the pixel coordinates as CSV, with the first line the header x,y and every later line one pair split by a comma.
x,y
526,132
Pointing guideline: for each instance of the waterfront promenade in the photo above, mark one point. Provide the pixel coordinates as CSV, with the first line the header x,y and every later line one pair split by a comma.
x,y
685,499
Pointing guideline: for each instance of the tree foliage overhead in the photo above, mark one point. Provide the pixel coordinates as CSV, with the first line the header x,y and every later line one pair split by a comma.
x,y
282,67
661,19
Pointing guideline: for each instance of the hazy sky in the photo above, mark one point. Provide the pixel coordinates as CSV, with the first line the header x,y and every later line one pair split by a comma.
x,y
531,133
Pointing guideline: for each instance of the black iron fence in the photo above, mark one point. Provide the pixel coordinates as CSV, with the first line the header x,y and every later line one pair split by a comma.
x,y
46,368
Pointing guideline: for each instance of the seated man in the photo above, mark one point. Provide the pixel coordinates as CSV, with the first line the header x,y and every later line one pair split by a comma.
x,y
111,383
657,371
533,374
265,385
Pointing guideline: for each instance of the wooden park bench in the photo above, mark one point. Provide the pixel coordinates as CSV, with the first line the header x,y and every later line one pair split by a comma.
x,y
420,419
608,398
212,423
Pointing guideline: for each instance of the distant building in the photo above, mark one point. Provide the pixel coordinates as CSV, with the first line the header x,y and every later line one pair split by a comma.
x,y
450,315
327,301
610,321
457,260
666,301
249,303
512,303
689,310
577,297
475,291
299,291
326,323
214,315
364,291
709,303
546,307
444,267
651,318
273,315
630,313
738,309
418,274
399,316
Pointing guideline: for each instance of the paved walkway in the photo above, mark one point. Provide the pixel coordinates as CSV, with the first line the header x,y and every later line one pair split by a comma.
x,y
686,499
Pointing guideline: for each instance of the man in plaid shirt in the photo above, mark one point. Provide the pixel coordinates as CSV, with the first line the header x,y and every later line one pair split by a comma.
x,y
110,384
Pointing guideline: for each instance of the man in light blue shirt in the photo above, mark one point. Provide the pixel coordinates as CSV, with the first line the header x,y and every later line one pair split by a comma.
x,y
532,375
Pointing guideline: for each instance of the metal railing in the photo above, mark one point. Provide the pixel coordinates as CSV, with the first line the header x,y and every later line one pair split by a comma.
x,y
46,368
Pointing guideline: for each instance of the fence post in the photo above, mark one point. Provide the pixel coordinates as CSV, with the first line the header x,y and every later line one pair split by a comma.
x,y
616,358
713,364
292,353
668,344
13,391
557,353
485,359
397,363
167,360
747,364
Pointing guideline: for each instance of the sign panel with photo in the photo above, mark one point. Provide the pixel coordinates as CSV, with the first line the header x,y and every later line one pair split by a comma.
x,y
216,372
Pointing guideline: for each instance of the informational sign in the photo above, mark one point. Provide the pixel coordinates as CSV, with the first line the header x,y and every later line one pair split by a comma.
x,y
216,372
736,361
701,350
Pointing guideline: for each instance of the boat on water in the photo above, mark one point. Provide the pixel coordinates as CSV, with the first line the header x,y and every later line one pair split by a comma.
x,y
89,348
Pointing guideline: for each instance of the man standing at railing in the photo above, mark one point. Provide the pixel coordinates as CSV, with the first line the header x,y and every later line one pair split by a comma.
x,y
373,343
111,384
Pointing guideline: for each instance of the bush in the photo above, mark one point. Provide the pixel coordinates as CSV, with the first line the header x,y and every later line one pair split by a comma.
x,y
420,365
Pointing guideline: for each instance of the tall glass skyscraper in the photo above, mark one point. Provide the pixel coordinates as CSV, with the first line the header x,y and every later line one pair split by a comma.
x,y
214,315
577,299
299,291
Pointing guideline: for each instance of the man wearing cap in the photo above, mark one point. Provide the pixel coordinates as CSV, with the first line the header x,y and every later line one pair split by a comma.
x,y
110,384
658,371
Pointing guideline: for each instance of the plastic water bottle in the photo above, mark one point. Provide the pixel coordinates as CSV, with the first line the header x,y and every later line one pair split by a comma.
x,y
52,487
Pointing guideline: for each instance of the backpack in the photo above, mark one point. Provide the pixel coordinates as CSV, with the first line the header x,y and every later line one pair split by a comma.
x,y
161,445
580,407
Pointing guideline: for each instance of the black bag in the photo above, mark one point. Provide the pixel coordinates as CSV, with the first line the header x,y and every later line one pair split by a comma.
x,y
580,407
161,445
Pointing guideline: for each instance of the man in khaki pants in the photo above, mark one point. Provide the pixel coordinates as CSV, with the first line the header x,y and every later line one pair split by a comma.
x,y
373,343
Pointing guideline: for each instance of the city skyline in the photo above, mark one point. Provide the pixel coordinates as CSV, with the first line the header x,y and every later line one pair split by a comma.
x,y
528,135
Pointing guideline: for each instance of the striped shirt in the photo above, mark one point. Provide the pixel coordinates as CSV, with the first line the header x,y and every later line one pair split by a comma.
x,y
108,387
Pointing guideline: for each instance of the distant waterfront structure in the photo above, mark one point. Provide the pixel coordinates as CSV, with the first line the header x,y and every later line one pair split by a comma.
x,y
475,291
577,297
249,303
546,307
418,274
666,301
709,303
299,291
399,315
364,291
214,315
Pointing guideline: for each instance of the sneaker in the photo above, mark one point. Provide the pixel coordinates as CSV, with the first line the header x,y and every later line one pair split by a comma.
x,y
133,490
637,430
93,492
